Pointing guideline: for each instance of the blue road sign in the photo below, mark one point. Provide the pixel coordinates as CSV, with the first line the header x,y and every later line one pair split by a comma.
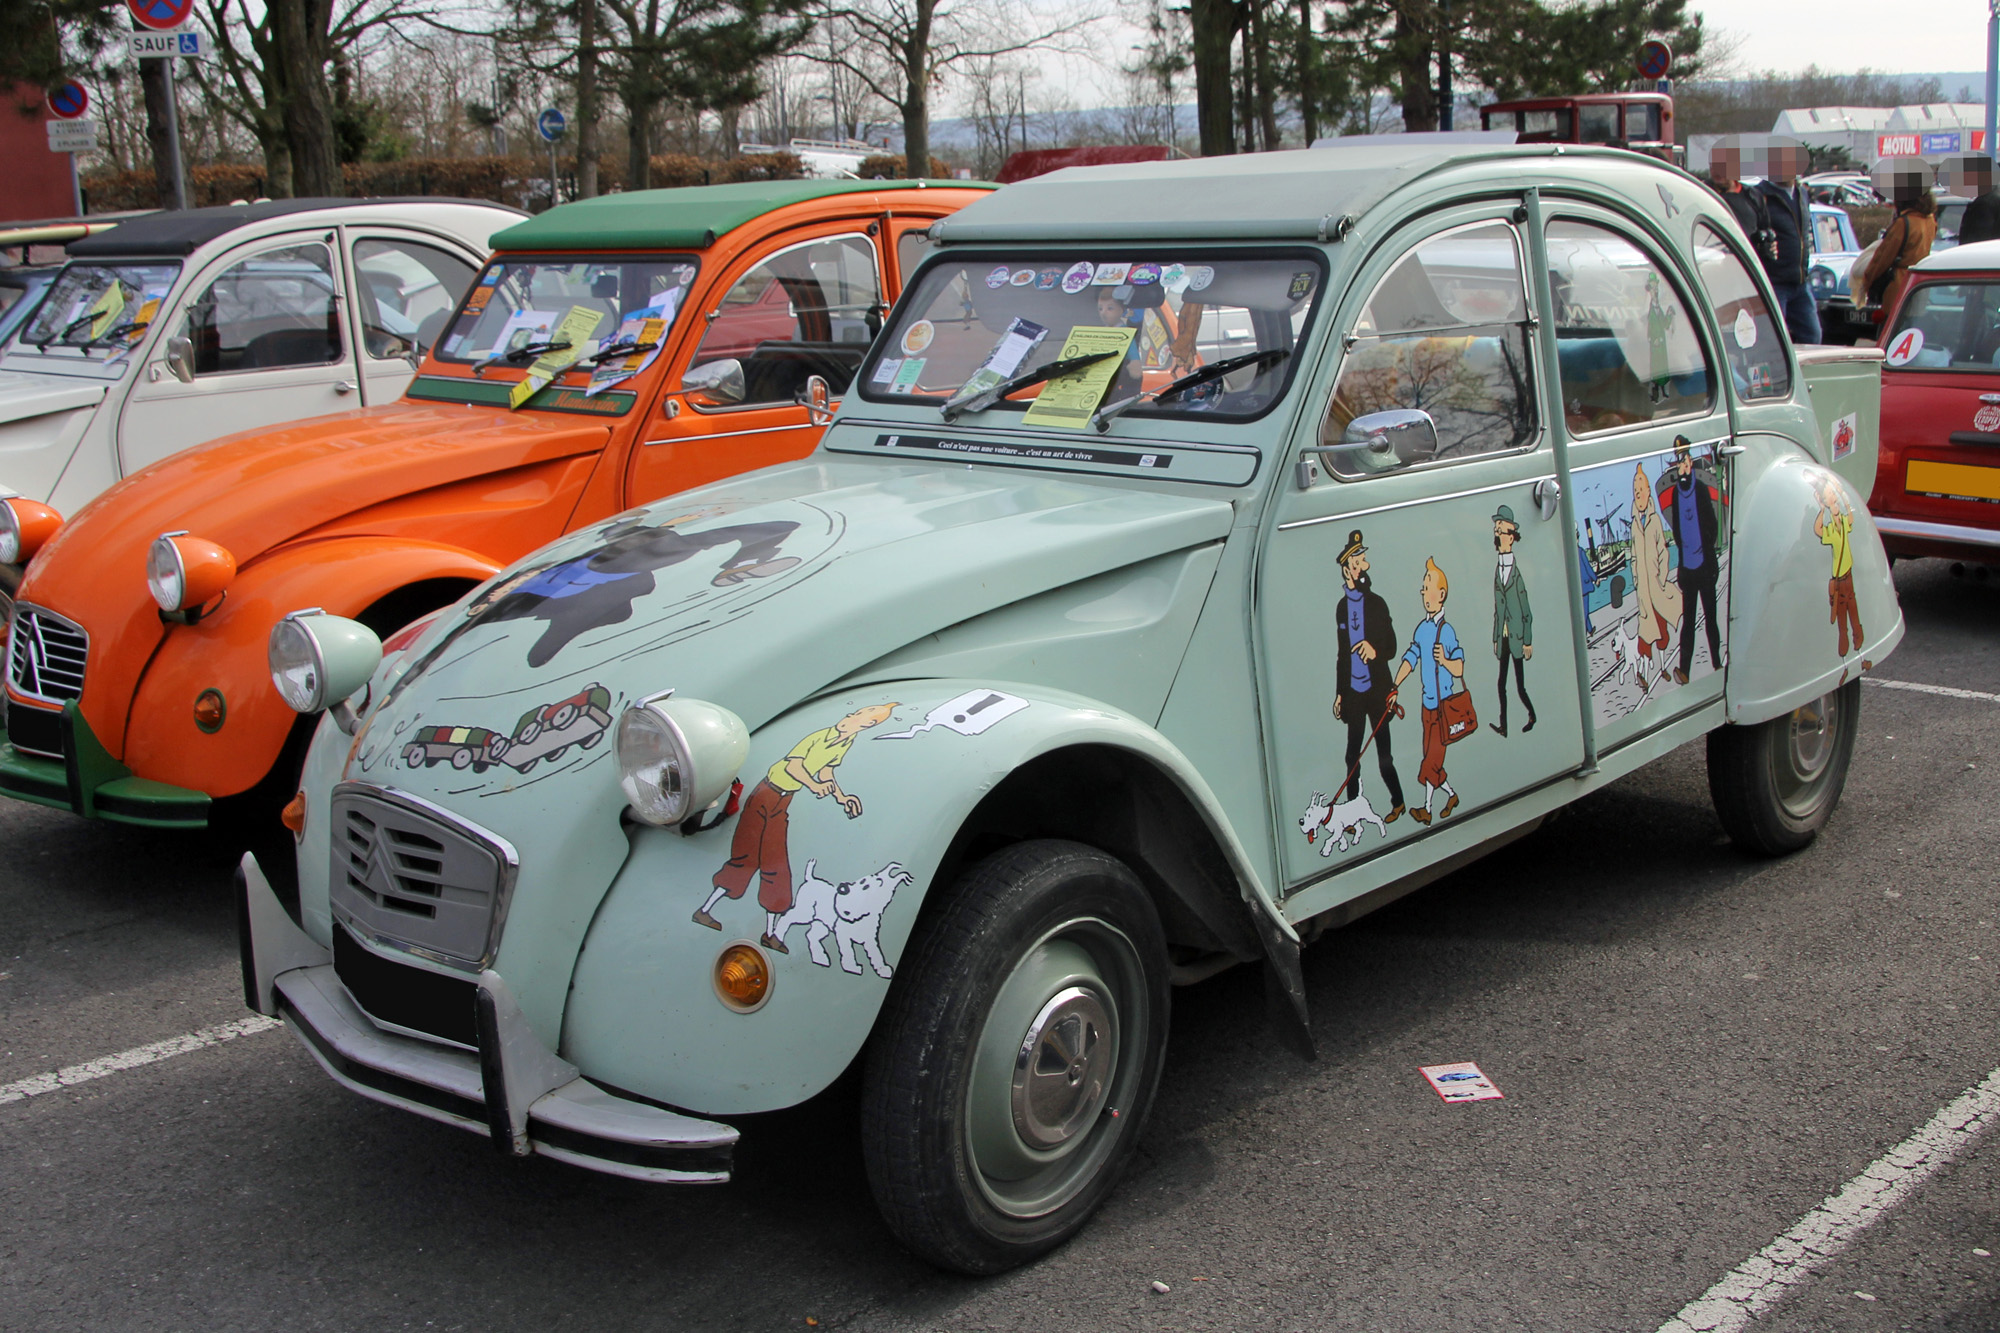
x,y
551,123
1654,60
68,100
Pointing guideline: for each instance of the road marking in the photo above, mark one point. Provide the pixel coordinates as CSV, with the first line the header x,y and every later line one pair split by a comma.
x,y
1946,690
132,1059
1760,1281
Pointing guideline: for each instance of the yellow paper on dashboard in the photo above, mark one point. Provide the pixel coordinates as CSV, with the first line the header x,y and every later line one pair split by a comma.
x,y
108,308
1069,400
575,330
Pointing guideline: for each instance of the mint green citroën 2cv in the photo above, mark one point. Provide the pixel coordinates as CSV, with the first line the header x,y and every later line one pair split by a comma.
x,y
1206,553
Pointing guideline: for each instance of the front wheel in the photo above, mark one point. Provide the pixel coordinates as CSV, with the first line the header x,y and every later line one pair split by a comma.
x,y
1017,1056
1775,784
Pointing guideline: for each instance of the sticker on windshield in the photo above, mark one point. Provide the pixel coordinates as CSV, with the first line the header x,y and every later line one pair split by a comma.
x,y
906,378
1048,280
683,274
1174,277
1078,276
918,337
1904,350
1144,275
1022,277
998,277
1745,330
1302,283
1110,275
1199,277
885,370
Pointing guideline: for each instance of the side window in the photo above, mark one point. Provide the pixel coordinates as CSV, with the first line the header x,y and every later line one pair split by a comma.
x,y
406,292
811,309
1446,332
271,310
1597,122
1627,349
911,247
1750,341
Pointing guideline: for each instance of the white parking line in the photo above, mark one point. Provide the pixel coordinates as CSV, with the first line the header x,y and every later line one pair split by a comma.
x,y
1946,690
132,1059
1760,1281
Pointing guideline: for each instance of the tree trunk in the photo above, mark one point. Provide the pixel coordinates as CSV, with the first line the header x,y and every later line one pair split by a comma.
x,y
159,135
586,100
298,30
1212,25
1246,101
916,106
639,157
1258,46
1308,61
277,163
732,136
1413,66
917,135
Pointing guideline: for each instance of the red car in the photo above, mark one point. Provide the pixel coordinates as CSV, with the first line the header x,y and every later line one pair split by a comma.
x,y
1937,486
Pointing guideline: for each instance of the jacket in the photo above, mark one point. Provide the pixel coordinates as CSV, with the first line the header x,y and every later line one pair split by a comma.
x,y
1982,219
1377,630
1513,619
1789,220
1668,499
1906,241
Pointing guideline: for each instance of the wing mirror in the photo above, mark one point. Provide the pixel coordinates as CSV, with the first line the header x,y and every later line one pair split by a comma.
x,y
1377,442
817,399
718,382
180,358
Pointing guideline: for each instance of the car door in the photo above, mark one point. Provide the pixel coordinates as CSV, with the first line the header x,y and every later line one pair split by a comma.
x,y
1414,609
1649,443
805,303
405,290
268,344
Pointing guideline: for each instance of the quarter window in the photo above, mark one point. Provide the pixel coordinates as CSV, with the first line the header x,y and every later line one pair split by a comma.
x,y
811,309
1627,349
406,292
269,311
1750,341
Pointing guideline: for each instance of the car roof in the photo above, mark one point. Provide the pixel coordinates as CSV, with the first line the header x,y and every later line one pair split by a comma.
x,y
691,217
1980,255
180,233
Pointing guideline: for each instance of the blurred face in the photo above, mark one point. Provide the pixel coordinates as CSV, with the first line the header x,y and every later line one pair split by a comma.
x,y
1110,310
1726,167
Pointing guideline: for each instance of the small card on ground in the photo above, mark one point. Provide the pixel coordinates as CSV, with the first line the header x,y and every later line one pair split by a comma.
x,y
1460,1082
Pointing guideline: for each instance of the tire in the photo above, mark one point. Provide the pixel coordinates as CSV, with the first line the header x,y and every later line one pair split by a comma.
x,y
972,1173
1776,784
564,716
413,755
461,758
526,735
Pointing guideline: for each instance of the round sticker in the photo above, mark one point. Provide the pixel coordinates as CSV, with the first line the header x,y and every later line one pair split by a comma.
x,y
1078,277
918,336
683,275
1174,277
1199,277
1904,350
1144,275
1022,277
1745,330
1050,277
998,277
1987,419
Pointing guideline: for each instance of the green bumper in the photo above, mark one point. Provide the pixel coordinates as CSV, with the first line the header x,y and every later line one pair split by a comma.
x,y
88,781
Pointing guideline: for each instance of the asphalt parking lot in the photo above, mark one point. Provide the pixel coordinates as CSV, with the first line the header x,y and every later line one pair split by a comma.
x,y
1695,1049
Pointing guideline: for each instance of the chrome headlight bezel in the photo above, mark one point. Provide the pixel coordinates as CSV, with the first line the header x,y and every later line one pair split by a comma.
x,y
10,535
677,757
166,572
319,661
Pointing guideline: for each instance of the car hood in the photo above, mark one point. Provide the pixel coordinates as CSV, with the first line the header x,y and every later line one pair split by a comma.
x,y
25,396
755,594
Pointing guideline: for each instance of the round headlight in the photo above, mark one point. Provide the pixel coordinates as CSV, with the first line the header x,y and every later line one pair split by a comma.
x,y
25,526
677,757
317,659
164,577
296,668
187,573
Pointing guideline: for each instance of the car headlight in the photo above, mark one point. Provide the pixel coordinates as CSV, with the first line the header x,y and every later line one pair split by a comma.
x,y
186,573
1820,278
317,659
25,527
677,757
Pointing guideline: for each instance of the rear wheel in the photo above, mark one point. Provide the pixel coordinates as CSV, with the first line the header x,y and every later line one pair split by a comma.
x,y
1017,1056
1775,784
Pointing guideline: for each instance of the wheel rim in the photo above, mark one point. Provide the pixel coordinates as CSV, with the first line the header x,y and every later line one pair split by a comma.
x,y
1804,761
1059,1057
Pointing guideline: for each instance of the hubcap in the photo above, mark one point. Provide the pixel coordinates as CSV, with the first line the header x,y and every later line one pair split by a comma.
x,y
1812,738
1805,760
1061,1076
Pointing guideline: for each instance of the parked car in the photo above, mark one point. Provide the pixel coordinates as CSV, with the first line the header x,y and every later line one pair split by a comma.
x,y
1950,214
579,376
1834,249
1937,486
1852,189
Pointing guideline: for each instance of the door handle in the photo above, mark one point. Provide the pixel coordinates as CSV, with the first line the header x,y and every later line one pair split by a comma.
x,y
1548,496
343,386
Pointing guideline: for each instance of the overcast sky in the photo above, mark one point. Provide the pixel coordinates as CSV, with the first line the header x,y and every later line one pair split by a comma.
x,y
1845,36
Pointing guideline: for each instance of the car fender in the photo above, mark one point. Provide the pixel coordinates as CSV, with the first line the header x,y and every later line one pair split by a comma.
x,y
1784,648
644,1014
227,651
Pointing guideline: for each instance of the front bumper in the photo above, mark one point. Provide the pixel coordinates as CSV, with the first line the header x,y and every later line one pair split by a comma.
x,y
1920,537
514,1089
87,780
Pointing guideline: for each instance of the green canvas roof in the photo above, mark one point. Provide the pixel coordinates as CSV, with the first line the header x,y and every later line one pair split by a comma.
x,y
689,218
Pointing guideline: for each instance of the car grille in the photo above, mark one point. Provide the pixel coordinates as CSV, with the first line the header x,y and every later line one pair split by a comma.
x,y
45,655
404,996
35,731
414,877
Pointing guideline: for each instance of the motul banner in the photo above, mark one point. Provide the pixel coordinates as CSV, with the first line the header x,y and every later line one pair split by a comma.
x,y
1930,145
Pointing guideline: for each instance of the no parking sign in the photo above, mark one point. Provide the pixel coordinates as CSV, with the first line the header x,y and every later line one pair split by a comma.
x,y
68,101
160,15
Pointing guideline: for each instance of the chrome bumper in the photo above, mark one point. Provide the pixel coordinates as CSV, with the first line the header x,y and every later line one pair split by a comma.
x,y
1890,526
514,1090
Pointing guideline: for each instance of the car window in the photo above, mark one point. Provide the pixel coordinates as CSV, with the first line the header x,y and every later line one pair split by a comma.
x,y
103,307
272,310
1598,122
1642,123
1949,216
1947,326
1750,342
1827,235
1550,124
523,306
810,309
911,247
406,292
1446,332
1627,349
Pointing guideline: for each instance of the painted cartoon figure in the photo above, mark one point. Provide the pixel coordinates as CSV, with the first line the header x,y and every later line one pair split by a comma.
x,y
1513,619
600,588
1435,655
1364,641
1659,324
1687,504
1588,574
1340,824
1834,526
759,848
1659,597
850,912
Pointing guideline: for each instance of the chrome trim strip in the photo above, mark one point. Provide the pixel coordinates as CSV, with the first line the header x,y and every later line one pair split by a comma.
x,y
720,435
503,893
1950,532
1343,516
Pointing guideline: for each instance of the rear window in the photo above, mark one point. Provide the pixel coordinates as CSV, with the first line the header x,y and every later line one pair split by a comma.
x,y
1953,326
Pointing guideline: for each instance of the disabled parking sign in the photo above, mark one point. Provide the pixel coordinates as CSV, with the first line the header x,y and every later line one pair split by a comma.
x,y
160,15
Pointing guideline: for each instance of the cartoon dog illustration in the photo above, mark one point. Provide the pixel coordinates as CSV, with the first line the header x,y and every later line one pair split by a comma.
x,y
1341,823
851,912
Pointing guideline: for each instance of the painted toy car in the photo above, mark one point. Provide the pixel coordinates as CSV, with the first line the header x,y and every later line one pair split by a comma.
x,y
1023,731
1937,487
577,378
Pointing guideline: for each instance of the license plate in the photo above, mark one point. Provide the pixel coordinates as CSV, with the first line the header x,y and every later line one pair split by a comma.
x,y
1953,481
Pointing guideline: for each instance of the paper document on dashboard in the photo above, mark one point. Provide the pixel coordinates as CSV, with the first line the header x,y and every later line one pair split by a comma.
x,y
1069,400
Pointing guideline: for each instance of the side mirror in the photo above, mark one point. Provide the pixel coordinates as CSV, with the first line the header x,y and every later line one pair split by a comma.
x,y
719,383
817,399
1377,442
180,358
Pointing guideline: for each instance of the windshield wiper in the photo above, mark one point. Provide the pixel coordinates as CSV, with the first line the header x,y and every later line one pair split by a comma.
x,y
519,354
128,327
985,398
65,331
1270,356
616,349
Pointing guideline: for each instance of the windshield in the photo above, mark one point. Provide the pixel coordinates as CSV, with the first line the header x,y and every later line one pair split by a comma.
x,y
99,307
1947,326
973,324
567,308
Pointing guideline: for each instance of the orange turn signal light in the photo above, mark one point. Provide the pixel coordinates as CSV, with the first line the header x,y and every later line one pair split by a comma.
x,y
210,709
293,816
25,528
743,977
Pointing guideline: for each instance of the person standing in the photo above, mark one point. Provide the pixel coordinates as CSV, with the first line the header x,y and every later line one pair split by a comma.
x,y
1513,619
1790,255
1688,508
1725,166
1906,241
1364,641
1972,176
1435,655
